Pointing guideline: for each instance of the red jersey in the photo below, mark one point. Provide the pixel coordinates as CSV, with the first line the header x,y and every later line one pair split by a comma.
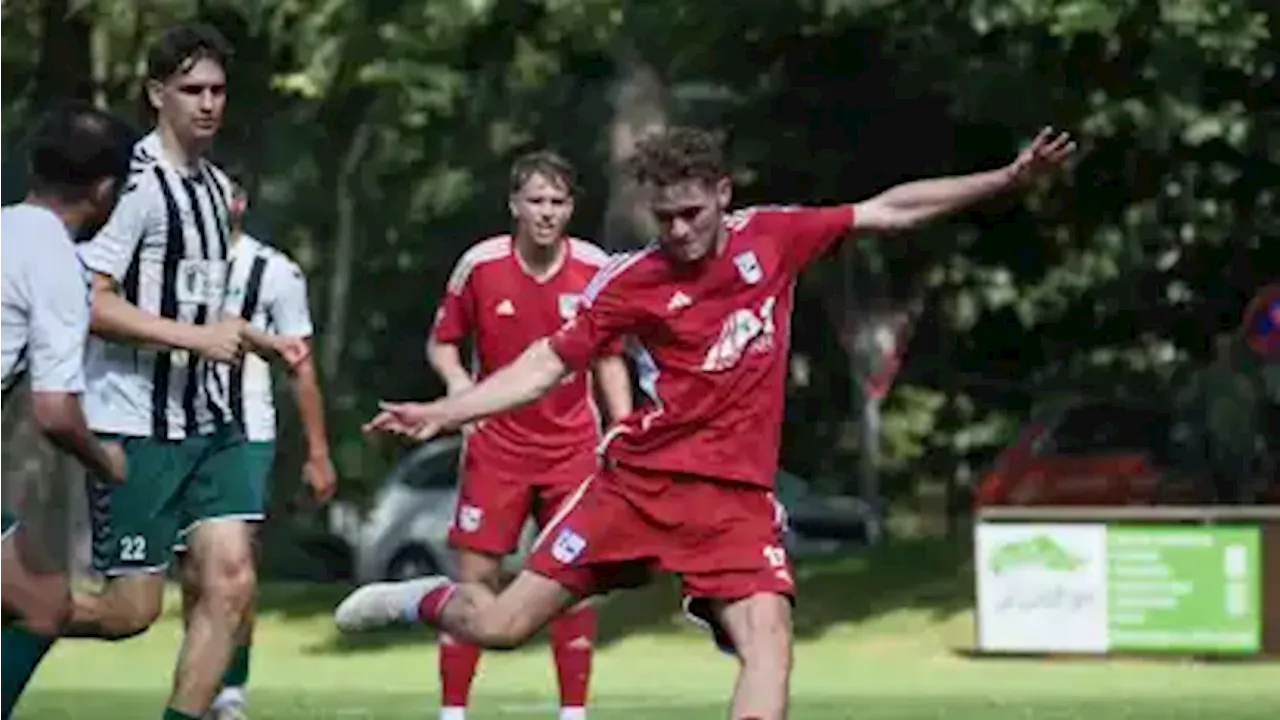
x,y
495,301
710,340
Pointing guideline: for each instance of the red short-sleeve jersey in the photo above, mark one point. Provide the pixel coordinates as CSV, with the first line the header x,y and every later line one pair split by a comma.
x,y
710,341
495,302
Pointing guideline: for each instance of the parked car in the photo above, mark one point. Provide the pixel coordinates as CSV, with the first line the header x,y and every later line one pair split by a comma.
x,y
406,533
1099,453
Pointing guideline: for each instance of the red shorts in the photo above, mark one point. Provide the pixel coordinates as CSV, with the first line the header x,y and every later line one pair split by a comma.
x,y
494,502
724,540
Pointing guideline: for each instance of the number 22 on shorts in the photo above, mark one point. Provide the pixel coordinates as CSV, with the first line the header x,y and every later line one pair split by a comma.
x,y
133,548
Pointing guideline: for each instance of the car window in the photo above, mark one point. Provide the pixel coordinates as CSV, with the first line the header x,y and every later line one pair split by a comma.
x,y
437,471
1107,428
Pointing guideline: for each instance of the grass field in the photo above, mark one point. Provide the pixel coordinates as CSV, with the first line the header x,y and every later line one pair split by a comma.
x,y
872,651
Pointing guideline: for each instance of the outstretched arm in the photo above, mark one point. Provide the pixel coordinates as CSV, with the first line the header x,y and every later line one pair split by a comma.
x,y
532,375
529,377
913,204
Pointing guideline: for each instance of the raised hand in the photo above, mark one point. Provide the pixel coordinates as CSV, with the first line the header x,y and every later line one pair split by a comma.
x,y
1048,152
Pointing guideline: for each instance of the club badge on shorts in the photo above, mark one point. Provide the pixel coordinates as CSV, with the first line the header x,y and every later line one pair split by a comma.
x,y
749,267
469,518
568,546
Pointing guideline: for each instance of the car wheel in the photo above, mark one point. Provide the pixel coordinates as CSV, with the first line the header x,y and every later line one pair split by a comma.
x,y
412,562
334,556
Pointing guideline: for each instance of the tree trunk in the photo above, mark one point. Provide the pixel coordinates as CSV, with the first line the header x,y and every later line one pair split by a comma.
x,y
340,284
639,107
65,68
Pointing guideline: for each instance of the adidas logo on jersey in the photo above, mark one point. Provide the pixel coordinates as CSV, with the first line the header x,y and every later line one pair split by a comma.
x,y
505,308
679,301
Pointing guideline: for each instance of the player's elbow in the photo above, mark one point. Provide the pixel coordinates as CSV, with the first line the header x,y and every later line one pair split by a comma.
x,y
105,318
543,364
56,414
432,351
882,215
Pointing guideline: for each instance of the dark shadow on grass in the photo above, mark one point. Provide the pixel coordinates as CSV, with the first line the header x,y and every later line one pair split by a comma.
x,y
930,575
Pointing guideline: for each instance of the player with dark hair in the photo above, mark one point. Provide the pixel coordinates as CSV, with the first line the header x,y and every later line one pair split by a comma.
x,y
268,290
78,162
159,268
506,292
686,482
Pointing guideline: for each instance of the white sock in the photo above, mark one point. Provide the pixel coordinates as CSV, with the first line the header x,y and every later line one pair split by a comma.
x,y
229,696
573,713
409,614
453,713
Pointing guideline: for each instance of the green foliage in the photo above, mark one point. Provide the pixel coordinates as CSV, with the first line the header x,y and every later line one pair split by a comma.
x,y
408,113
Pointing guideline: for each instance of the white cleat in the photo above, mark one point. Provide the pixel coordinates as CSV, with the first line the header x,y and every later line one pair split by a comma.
x,y
385,603
235,711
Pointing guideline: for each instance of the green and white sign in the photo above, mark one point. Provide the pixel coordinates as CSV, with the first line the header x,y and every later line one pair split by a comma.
x,y
1183,588
1090,588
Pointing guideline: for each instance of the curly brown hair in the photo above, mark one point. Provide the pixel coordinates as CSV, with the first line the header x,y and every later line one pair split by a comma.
x,y
677,154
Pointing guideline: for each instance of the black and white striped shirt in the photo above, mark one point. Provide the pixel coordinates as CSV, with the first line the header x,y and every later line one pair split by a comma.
x,y
266,288
166,244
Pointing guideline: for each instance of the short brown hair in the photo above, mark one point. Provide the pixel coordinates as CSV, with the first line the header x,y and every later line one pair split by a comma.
x,y
678,154
549,164
182,46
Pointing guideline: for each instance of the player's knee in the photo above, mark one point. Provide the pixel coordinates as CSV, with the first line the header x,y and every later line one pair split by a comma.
x,y
130,610
49,617
503,634
500,628
761,630
229,583
474,567
44,623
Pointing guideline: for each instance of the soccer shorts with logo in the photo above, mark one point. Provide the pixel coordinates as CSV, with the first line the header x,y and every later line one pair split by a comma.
x,y
260,460
724,540
495,500
170,485
10,522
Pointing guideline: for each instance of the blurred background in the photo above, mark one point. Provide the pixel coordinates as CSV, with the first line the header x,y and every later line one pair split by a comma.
x,y
1085,344
375,140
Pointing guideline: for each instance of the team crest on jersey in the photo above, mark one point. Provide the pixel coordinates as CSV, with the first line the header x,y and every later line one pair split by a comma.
x,y
201,281
568,546
569,303
749,267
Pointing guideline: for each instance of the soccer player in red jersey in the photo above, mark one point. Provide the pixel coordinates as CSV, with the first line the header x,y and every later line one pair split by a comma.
x,y
505,293
686,480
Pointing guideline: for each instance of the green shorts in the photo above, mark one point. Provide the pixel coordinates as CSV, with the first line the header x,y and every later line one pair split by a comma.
x,y
260,459
10,522
171,485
